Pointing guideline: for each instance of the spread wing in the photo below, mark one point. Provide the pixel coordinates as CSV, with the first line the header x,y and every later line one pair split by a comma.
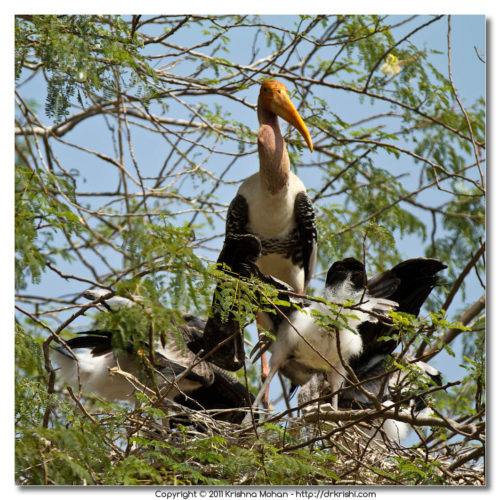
x,y
409,284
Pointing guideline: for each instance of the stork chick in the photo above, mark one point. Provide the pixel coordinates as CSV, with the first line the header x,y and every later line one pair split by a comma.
x,y
175,369
409,283
302,347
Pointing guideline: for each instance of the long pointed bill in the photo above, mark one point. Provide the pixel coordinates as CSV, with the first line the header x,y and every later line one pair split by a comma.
x,y
274,97
283,107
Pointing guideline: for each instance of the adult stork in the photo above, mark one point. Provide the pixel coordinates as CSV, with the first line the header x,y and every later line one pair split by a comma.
x,y
273,203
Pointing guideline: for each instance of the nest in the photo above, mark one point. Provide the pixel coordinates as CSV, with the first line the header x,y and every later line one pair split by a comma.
x,y
358,451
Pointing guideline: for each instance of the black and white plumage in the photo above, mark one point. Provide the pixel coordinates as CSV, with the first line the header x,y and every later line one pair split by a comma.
x,y
303,348
174,369
109,300
408,284
238,258
392,385
96,355
286,228
273,203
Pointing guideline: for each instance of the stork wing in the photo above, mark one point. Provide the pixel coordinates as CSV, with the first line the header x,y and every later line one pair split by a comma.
x,y
308,235
98,342
225,394
237,216
175,356
409,284
224,332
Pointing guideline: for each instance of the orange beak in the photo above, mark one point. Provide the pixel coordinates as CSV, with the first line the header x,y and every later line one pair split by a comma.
x,y
274,97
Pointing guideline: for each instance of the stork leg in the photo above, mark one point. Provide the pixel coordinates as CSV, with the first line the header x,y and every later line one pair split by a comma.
x,y
265,386
335,380
277,360
264,366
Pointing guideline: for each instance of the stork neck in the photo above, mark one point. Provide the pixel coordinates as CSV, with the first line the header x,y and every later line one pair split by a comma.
x,y
273,156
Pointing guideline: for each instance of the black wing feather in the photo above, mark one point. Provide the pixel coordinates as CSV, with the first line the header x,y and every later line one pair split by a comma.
x,y
239,254
237,216
226,393
409,284
97,340
305,218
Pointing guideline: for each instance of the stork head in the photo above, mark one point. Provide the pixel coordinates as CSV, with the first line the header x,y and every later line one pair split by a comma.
x,y
347,269
273,97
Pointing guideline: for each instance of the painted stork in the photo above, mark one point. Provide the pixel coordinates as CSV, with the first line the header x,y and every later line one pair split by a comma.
x,y
389,385
177,373
273,204
303,348
409,284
